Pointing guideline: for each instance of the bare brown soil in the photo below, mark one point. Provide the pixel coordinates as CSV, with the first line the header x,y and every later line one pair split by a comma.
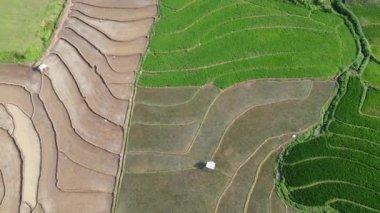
x,y
62,130
242,130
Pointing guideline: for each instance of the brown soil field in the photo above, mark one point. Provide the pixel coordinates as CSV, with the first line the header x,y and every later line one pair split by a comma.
x,y
62,130
242,130
198,192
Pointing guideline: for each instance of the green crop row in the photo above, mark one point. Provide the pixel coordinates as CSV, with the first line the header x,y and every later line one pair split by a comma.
x,y
349,107
341,128
226,42
348,154
321,194
372,102
326,146
343,206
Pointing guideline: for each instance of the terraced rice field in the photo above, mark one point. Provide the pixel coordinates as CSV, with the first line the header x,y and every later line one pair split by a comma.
x,y
368,14
238,127
62,130
225,42
111,127
196,101
372,74
340,169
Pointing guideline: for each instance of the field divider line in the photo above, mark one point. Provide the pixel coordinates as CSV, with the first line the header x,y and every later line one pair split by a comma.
x,y
270,198
172,105
100,31
351,202
292,189
356,138
93,67
2,196
363,99
161,171
356,126
199,19
101,20
189,148
25,154
253,107
126,127
112,7
330,157
275,9
260,16
223,62
216,38
352,150
55,36
83,166
25,87
252,188
107,19
80,90
241,165
22,107
93,45
163,124
371,24
236,71
69,27
181,8
97,49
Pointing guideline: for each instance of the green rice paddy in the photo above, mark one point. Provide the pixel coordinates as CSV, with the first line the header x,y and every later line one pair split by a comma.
x,y
340,169
226,41
368,14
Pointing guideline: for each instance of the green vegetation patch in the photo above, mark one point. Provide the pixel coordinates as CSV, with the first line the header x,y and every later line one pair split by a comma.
x,y
227,41
369,17
372,74
371,104
339,170
26,27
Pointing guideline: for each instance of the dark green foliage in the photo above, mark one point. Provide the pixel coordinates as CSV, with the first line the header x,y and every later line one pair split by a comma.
x,y
343,164
321,194
344,206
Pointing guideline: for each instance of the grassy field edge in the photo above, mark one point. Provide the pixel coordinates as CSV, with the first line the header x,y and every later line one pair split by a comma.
x,y
45,34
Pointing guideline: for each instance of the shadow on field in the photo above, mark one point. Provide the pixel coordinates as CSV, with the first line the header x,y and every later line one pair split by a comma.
x,y
200,165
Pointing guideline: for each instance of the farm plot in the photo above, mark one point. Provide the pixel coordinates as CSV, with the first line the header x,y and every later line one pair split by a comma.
x,y
26,28
237,128
368,14
225,42
62,129
340,170
372,74
372,102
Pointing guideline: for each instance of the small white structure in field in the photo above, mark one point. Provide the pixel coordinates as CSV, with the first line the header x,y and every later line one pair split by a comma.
x,y
42,68
294,136
210,165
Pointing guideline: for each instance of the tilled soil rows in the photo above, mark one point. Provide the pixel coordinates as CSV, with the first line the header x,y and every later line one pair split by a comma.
x,y
62,130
